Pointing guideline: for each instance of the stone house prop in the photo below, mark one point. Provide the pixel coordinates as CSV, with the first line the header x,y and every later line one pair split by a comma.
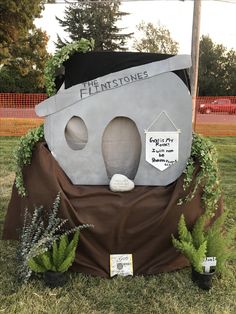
x,y
135,121
115,113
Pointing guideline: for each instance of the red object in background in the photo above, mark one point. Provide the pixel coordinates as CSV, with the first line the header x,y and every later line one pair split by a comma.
x,y
223,105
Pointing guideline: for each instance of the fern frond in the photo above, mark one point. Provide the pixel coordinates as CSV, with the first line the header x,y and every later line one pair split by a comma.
x,y
199,257
176,243
198,232
62,246
67,262
46,260
184,234
67,253
35,266
73,243
55,254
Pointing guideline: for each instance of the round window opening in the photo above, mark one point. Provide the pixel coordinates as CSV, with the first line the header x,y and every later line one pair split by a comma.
x,y
76,133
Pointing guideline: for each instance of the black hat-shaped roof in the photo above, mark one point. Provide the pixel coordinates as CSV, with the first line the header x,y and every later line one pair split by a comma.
x,y
83,67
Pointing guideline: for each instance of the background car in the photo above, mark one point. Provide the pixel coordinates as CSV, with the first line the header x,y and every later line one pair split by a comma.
x,y
218,105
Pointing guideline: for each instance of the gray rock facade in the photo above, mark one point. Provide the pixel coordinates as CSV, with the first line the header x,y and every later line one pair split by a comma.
x,y
130,108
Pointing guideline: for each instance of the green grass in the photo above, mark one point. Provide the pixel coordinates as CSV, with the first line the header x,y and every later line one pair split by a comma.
x,y
226,147
6,172
165,293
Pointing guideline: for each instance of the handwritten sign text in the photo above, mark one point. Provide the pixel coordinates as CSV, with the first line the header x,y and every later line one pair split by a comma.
x,y
162,149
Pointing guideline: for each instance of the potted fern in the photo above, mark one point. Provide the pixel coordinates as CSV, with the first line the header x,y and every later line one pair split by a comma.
x,y
207,247
44,245
56,261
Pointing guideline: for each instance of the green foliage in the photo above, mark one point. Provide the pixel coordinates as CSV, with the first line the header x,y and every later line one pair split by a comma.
x,y
203,153
198,233
94,20
22,46
184,234
206,241
24,72
35,237
59,259
217,67
17,17
36,265
186,244
198,256
220,242
155,39
68,253
23,155
39,235
55,62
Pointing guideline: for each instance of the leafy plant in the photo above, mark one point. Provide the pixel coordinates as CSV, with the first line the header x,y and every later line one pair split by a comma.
x,y
23,155
186,244
220,242
155,38
203,153
55,62
59,258
39,234
206,241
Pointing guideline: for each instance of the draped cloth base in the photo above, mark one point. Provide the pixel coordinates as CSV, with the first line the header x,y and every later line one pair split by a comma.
x,y
139,222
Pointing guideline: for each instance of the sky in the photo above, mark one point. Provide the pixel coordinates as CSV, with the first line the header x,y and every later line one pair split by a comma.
x,y
218,20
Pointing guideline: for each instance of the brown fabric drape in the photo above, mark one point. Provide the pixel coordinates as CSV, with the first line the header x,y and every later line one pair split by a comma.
x,y
139,222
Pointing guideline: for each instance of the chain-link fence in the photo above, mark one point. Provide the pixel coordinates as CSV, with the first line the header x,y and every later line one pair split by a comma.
x,y
17,113
214,116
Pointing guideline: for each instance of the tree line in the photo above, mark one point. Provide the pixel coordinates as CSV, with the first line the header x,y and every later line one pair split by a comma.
x,y
23,52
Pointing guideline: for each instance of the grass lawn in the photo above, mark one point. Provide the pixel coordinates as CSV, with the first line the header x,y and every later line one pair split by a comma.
x,y
165,293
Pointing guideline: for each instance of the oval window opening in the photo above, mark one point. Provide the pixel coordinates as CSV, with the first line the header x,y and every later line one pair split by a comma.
x,y
121,147
76,133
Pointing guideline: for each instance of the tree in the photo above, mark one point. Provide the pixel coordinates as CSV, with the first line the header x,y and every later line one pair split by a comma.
x,y
217,68
231,72
24,72
94,20
22,47
16,19
155,39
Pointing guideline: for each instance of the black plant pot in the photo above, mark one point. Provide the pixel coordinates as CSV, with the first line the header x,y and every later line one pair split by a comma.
x,y
203,280
54,279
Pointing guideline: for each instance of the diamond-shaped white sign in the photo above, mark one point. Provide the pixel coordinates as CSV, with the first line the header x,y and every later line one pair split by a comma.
x,y
162,149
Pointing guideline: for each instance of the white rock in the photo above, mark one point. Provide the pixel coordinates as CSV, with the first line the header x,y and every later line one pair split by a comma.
x,y
120,183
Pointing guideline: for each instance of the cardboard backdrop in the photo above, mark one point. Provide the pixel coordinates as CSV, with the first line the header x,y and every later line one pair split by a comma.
x,y
139,222
81,122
